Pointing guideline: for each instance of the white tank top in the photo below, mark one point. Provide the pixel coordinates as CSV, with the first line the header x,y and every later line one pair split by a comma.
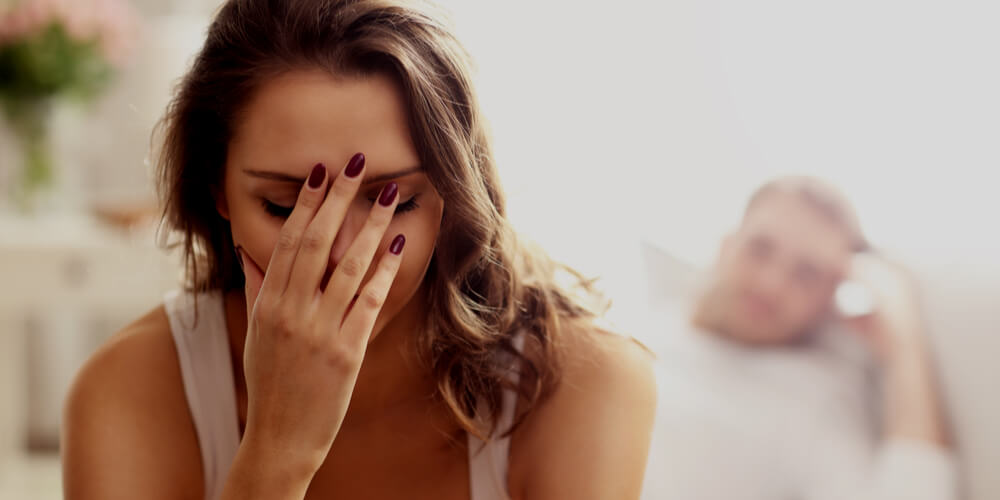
x,y
207,372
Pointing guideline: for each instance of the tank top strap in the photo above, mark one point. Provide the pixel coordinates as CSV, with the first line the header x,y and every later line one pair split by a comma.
x,y
489,460
207,372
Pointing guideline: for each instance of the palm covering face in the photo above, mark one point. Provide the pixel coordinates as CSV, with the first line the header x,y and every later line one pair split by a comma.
x,y
305,342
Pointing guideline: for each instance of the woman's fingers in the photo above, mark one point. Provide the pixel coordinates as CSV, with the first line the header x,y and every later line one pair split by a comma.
x,y
357,326
353,266
314,247
302,252
310,198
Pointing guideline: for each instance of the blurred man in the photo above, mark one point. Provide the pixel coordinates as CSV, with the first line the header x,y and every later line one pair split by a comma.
x,y
765,388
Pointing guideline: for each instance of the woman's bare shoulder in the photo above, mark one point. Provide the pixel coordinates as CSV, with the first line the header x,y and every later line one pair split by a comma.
x,y
126,412
139,362
596,424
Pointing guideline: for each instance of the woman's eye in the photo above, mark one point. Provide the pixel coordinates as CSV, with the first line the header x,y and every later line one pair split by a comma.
x,y
403,206
283,212
407,205
277,210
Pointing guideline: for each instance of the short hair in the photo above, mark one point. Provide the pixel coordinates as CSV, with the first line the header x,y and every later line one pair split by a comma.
x,y
822,197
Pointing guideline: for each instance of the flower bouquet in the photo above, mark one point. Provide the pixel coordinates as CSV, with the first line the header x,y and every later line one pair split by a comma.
x,y
50,49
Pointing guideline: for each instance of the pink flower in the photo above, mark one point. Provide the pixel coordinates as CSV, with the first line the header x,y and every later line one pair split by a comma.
x,y
113,23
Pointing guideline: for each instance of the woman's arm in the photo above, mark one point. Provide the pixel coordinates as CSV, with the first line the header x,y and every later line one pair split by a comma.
x,y
590,440
126,429
304,348
127,433
259,471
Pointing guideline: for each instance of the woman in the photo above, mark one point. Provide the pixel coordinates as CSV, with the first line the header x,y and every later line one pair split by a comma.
x,y
360,320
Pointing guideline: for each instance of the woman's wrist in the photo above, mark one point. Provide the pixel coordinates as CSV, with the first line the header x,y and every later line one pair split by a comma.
x,y
264,470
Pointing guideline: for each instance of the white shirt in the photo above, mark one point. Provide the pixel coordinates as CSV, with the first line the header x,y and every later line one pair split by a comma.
x,y
741,423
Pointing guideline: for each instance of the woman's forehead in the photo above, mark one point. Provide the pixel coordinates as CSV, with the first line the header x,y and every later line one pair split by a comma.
x,y
373,175
298,119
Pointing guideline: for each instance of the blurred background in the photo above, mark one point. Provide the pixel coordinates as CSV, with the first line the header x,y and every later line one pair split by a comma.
x,y
655,119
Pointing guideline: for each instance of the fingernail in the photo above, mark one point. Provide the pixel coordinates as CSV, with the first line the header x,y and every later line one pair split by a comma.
x,y
317,176
397,244
354,166
388,194
239,258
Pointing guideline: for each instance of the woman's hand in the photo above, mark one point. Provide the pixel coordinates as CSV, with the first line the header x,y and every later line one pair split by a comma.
x,y
305,343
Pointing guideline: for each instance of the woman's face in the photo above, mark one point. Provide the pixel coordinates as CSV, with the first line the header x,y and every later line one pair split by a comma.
x,y
299,119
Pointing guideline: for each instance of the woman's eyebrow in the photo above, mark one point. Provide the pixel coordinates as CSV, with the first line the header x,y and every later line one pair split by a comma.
x,y
274,176
283,177
391,175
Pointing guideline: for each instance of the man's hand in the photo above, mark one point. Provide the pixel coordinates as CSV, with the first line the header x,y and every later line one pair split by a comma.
x,y
895,328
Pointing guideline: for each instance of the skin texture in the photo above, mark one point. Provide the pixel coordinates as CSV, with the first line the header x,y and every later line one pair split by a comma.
x,y
775,279
331,408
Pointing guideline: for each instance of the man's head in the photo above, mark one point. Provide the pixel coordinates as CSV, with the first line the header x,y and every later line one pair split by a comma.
x,y
776,274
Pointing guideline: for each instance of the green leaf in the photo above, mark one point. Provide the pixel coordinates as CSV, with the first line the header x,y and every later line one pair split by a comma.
x,y
50,62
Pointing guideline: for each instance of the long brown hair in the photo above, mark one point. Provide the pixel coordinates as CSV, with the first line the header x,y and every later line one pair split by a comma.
x,y
484,285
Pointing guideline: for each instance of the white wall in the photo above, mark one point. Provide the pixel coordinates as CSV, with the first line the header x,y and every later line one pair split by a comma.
x,y
620,119
660,117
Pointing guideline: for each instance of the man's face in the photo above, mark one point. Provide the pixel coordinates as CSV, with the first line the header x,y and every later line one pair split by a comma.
x,y
776,275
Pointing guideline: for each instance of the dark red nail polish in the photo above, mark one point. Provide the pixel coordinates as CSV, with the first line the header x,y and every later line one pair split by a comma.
x,y
317,175
388,194
354,166
397,244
